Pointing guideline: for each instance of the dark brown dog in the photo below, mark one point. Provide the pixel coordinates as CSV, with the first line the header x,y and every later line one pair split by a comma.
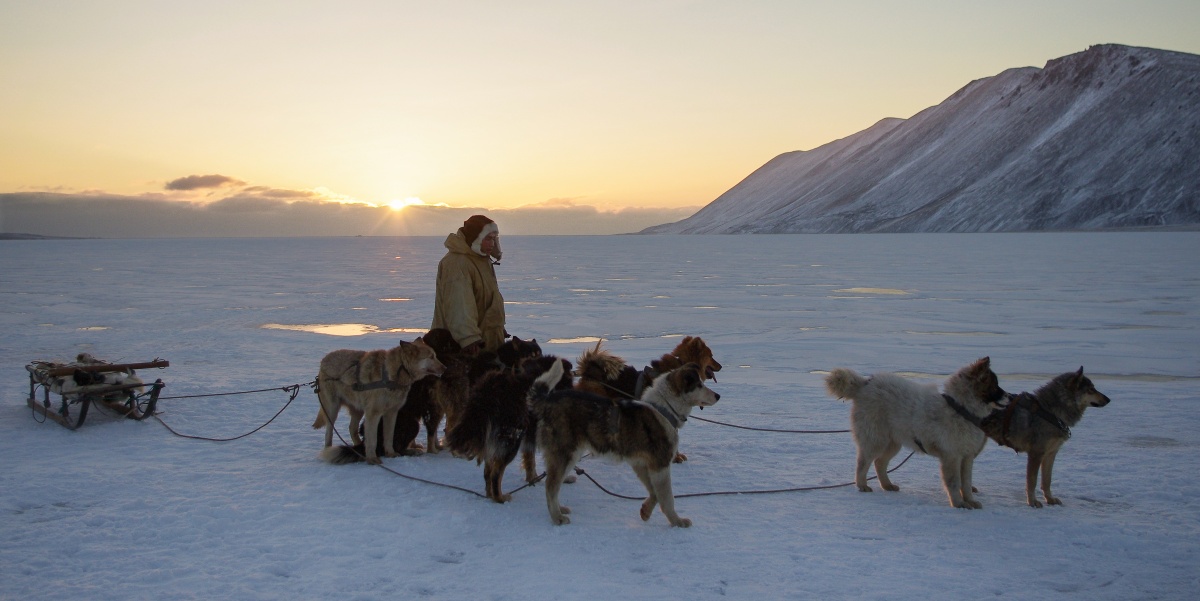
x,y
496,424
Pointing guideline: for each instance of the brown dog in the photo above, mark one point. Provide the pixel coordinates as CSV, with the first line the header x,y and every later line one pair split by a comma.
x,y
692,349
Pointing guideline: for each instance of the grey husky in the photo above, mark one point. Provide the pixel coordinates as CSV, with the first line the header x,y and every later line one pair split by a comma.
x,y
1039,424
890,411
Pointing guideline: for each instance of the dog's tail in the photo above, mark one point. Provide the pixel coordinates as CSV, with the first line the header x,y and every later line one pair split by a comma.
x,y
542,387
844,383
341,455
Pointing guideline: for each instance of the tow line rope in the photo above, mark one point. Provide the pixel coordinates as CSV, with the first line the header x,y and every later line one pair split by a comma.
x,y
294,391
582,472
713,421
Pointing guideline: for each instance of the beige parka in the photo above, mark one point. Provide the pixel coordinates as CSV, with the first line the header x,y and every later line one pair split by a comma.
x,y
467,300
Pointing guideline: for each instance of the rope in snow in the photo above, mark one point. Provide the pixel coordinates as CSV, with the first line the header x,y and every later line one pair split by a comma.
x,y
580,471
711,421
292,390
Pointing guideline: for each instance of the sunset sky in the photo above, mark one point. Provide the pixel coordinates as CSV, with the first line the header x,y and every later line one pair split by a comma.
x,y
596,117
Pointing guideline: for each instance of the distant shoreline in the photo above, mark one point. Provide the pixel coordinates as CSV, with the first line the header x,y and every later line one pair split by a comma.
x,y
7,236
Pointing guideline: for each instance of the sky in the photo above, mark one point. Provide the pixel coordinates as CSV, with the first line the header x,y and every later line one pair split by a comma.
x,y
598,117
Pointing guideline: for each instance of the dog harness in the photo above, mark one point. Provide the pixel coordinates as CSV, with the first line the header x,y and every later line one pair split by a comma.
x,y
384,383
1029,403
669,413
614,420
959,409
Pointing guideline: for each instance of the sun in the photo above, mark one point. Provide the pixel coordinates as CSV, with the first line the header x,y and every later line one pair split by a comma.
x,y
397,204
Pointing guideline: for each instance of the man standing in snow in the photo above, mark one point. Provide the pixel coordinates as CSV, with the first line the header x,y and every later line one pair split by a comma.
x,y
468,300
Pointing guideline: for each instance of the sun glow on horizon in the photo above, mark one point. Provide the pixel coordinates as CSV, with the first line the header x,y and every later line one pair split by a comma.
x,y
397,204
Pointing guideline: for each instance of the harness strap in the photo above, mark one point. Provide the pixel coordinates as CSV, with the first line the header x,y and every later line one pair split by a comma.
x,y
959,409
669,413
384,383
1029,403
644,379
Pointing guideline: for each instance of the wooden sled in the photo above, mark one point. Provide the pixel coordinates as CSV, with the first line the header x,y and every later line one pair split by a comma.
x,y
80,384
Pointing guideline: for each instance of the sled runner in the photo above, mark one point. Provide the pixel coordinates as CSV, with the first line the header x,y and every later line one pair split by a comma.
x,y
114,385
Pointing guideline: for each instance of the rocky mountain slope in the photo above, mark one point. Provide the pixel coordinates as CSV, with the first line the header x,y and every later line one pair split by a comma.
x,y
1105,138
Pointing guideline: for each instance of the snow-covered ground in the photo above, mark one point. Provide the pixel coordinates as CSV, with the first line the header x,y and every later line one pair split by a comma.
x,y
126,510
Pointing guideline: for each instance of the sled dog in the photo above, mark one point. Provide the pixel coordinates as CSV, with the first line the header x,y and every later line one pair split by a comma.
x,y
643,433
372,385
426,399
497,423
1039,424
603,373
890,411
692,349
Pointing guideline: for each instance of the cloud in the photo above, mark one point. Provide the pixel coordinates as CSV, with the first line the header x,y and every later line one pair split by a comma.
x,y
197,182
260,211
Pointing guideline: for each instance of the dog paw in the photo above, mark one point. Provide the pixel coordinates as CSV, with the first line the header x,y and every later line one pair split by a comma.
x,y
570,479
682,523
561,520
564,509
891,487
504,498
679,458
647,509
1053,501
864,488
1036,504
374,461
973,504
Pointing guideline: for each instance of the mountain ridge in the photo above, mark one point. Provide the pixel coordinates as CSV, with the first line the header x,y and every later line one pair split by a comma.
x,y
1107,138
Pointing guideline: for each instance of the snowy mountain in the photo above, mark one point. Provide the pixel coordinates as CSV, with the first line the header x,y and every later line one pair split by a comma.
x,y
1105,138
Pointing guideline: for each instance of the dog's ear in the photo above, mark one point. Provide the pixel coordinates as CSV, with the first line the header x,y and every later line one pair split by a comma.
x,y
980,366
1077,378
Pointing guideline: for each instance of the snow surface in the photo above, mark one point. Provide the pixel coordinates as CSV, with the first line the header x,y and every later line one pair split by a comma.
x,y
126,510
